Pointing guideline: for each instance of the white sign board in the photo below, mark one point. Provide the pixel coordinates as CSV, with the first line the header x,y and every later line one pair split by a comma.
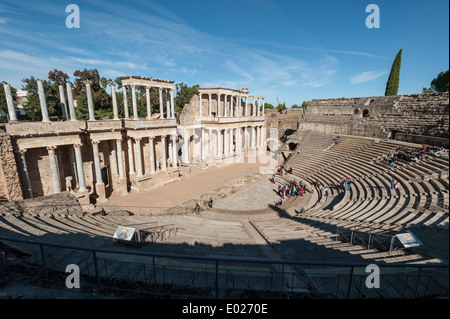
x,y
124,233
409,240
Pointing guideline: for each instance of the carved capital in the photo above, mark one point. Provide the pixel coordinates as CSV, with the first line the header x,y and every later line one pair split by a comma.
x,y
51,149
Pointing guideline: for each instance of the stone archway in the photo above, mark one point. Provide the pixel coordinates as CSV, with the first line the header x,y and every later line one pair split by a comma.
x,y
365,113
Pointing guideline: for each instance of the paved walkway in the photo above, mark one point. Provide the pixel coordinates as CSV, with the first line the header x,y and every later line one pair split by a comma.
x,y
185,188
258,195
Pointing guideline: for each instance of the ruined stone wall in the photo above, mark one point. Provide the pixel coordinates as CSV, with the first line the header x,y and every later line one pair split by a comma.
x,y
382,116
285,121
10,186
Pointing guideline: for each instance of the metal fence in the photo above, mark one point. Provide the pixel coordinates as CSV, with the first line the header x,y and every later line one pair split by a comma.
x,y
187,276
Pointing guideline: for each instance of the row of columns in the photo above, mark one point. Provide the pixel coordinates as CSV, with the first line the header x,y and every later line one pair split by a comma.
x,y
235,102
168,93
253,138
137,162
54,170
68,110
248,137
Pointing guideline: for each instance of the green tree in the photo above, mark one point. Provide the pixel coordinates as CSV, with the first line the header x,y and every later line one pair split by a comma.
x,y
440,83
281,107
183,95
295,106
100,98
82,111
268,106
304,105
32,105
428,90
394,76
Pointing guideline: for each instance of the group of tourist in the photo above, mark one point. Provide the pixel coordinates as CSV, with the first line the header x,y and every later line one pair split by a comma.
x,y
413,155
292,189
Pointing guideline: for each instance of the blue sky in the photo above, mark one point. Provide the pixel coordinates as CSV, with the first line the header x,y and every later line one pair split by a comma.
x,y
291,50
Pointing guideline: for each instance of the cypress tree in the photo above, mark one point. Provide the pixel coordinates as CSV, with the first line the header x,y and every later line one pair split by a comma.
x,y
394,76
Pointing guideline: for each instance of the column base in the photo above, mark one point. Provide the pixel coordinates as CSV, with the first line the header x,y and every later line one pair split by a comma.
x,y
122,186
100,189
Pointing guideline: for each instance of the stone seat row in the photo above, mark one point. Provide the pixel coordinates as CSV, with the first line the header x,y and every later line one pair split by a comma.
x,y
415,191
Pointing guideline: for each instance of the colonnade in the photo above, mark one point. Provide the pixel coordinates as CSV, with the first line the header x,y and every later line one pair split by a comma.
x,y
232,105
166,93
68,109
219,143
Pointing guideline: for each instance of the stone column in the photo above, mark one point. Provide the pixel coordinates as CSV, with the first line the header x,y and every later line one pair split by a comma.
x,y
137,146
263,107
238,107
253,143
231,106
167,104
209,105
98,172
80,170
133,99
172,104
200,103
203,150
130,157
62,98
258,112
44,110
256,136
161,112
125,102
54,169
71,104
246,106
114,100
26,185
122,183
225,107
231,141
210,143
120,161
226,144
149,106
163,153
218,105
10,103
99,185
219,143
90,102
152,155
185,146
174,150
254,106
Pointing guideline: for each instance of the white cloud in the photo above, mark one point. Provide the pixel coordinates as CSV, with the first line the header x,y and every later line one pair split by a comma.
x,y
2,20
366,76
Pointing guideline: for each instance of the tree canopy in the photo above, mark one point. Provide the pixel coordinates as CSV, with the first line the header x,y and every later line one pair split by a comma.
x,y
184,94
440,83
394,76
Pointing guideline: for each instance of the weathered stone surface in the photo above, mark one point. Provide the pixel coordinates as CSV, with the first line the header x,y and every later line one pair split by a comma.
x,y
10,187
62,203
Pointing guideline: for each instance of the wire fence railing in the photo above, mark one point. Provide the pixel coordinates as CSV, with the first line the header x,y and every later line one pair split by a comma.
x,y
181,276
